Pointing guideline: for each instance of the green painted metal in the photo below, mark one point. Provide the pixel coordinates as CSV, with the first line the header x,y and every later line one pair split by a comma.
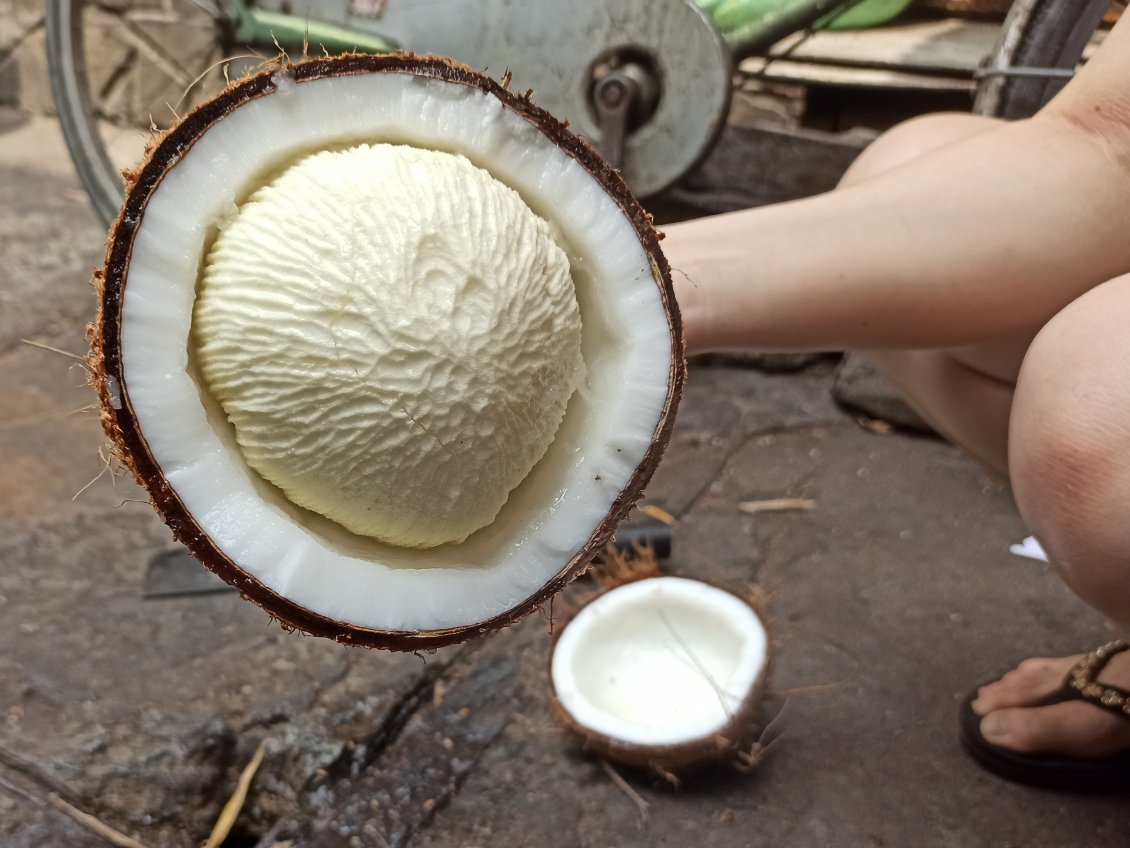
x,y
264,28
870,13
741,20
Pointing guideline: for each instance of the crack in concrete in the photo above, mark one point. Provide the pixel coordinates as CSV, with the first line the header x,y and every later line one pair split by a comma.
x,y
12,761
365,751
743,441
389,787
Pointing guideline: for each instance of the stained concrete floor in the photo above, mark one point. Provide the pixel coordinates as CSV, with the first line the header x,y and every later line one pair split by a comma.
x,y
891,599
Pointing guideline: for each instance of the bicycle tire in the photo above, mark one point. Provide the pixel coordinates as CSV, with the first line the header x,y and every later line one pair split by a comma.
x,y
1036,34
71,91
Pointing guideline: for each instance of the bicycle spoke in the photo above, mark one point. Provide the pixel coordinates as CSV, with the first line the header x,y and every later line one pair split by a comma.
x,y
156,54
110,94
213,10
181,44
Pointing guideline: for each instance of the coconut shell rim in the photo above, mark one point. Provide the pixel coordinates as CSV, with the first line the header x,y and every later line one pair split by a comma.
x,y
131,448
668,758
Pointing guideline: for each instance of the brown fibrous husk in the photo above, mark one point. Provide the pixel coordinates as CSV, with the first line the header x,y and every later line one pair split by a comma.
x,y
733,745
130,445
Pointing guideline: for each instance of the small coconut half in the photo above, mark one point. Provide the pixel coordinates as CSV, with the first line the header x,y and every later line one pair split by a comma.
x,y
392,351
661,672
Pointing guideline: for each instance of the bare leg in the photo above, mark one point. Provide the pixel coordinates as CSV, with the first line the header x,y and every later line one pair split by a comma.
x,y
976,240
961,402
1066,454
1068,459
1059,446
943,385
1069,408
992,230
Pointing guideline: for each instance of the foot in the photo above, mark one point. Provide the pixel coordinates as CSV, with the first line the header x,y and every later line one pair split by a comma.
x,y
1011,717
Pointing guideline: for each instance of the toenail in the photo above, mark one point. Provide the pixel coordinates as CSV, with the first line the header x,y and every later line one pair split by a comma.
x,y
994,727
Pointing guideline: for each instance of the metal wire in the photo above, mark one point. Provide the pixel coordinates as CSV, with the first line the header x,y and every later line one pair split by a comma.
x,y
1022,71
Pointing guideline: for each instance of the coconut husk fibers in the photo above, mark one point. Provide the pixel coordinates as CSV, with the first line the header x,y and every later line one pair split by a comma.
x,y
733,744
120,421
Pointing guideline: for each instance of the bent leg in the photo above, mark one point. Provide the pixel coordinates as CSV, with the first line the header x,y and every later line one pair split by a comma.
x,y
962,403
965,394
764,268
1069,450
976,239
1069,455
912,139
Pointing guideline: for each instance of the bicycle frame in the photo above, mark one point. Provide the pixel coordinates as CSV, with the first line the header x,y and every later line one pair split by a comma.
x,y
258,26
379,26
544,51
755,37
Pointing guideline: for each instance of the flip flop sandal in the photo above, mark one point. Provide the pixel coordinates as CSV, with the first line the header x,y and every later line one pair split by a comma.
x,y
1054,771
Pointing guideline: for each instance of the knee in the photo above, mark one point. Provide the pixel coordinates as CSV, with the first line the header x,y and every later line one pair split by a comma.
x,y
912,139
1068,440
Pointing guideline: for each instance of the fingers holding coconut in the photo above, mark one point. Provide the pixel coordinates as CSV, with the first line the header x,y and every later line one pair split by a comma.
x,y
391,350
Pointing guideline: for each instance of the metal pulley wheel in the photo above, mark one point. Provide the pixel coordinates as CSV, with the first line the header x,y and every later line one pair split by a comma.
x,y
646,81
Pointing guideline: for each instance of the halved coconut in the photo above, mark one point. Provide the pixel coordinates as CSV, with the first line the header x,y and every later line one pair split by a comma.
x,y
661,672
391,350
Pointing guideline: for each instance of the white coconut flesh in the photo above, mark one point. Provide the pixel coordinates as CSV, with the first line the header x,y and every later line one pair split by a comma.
x,y
315,562
659,662
394,336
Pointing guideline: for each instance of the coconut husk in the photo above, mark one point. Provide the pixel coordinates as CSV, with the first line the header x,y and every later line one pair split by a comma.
x,y
123,429
735,745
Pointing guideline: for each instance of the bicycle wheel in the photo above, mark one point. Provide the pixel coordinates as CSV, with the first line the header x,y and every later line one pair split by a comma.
x,y
1037,34
118,67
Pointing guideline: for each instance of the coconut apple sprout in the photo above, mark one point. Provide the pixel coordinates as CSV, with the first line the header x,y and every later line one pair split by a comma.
x,y
395,337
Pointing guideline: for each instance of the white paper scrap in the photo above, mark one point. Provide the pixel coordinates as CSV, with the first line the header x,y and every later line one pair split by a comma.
x,y
1029,548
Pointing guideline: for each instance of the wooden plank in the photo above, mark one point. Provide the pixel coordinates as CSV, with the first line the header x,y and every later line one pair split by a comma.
x,y
811,73
929,56
951,46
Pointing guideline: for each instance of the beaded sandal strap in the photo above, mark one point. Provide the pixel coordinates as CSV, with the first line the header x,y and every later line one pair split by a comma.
x,y
1082,685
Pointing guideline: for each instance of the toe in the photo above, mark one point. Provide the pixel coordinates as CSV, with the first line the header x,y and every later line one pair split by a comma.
x,y
1026,685
1073,728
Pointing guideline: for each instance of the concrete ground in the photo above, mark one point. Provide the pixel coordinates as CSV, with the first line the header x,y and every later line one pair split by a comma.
x,y
891,599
